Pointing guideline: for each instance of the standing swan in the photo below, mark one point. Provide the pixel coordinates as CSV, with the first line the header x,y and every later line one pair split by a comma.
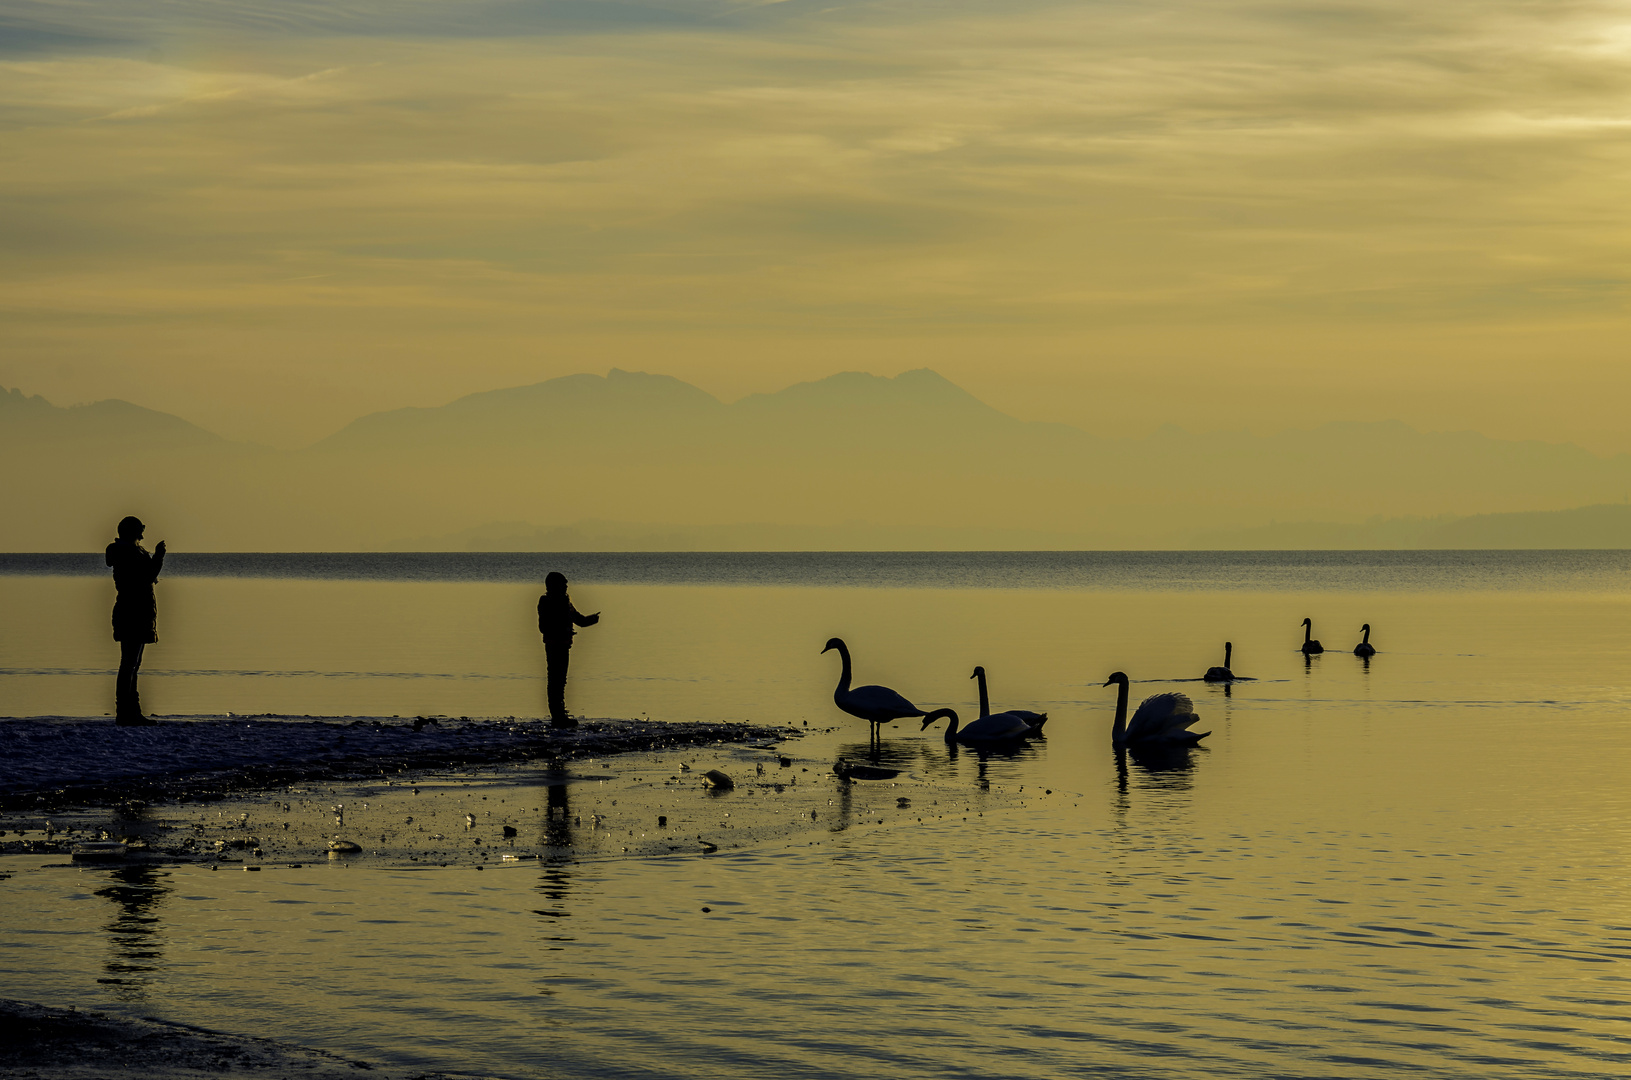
x,y
877,705
1222,674
1161,720
1033,720
1310,646
1003,727
1365,648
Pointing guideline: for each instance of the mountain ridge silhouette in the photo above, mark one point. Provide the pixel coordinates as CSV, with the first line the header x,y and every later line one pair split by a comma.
x,y
871,457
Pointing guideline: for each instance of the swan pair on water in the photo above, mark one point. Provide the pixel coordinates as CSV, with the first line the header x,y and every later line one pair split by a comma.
x,y
879,705
1312,647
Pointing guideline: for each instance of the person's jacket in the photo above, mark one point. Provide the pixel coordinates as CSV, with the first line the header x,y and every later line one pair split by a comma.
x,y
557,616
134,571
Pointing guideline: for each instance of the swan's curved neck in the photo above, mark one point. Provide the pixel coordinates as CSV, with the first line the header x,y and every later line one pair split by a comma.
x,y
843,676
949,714
1367,635
985,702
1308,632
1228,652
1118,734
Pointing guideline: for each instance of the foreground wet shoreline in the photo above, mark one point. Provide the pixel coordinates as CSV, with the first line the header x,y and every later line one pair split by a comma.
x,y
605,789
57,762
40,1041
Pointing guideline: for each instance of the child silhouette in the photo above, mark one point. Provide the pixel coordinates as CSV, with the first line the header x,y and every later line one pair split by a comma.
x,y
556,618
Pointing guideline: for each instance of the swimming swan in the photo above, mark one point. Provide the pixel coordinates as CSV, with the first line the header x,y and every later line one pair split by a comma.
x,y
877,705
1003,727
1365,648
1161,720
1222,674
1034,719
1310,646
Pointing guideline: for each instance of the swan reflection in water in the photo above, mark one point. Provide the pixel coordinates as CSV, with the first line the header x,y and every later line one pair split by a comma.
x,y
902,754
135,935
1169,768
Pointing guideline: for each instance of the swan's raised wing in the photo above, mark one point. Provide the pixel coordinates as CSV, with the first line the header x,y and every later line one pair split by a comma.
x,y
875,703
1005,725
1162,717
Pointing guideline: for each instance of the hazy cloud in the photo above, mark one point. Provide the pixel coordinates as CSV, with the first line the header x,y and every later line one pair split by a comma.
x,y
527,186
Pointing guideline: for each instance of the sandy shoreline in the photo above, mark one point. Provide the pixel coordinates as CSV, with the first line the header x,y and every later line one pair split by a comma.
x,y
39,1042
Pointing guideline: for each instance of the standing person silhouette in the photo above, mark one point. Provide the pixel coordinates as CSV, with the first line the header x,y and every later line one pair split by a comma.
x,y
556,617
135,613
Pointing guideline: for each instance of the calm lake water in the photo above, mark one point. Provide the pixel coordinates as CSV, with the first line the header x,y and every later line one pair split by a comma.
x,y
1415,866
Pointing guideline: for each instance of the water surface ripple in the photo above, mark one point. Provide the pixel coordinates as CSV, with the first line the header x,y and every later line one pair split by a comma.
x,y
1412,866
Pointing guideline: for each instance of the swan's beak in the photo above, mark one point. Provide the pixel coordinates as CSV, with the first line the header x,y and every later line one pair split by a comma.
x,y
926,724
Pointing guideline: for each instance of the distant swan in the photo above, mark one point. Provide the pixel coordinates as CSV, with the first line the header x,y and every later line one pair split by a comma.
x,y
1161,720
1365,648
1034,719
1003,727
1222,674
1310,646
877,705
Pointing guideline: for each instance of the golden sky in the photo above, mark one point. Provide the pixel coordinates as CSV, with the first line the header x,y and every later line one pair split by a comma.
x,y
273,218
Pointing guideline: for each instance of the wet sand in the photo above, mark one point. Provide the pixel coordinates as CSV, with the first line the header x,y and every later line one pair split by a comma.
x,y
580,803
62,761
37,1041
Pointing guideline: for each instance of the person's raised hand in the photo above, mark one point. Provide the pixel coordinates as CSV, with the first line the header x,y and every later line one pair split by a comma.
x,y
158,549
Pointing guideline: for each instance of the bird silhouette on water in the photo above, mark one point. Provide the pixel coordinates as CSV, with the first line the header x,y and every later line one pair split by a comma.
x,y
877,705
1033,720
1161,719
1224,673
1000,727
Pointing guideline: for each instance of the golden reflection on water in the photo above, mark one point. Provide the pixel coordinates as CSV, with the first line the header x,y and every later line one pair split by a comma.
x,y
1408,864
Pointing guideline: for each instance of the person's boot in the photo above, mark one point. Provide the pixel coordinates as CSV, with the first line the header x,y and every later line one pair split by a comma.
x,y
129,712
562,721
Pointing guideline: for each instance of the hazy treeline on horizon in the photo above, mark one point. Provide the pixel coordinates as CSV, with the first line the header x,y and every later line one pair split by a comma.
x,y
633,461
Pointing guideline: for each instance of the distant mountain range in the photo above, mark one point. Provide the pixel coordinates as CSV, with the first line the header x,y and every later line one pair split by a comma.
x,y
637,461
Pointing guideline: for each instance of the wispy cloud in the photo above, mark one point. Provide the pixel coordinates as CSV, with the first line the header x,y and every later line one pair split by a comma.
x,y
879,169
